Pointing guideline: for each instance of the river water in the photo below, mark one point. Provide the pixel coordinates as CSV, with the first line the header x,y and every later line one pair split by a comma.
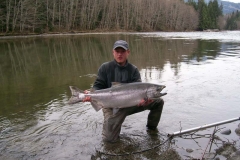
x,y
200,70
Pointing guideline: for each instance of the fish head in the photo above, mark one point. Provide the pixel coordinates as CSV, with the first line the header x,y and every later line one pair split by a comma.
x,y
159,88
154,91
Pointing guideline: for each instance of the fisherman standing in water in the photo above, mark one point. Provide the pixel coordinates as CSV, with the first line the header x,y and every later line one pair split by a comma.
x,y
120,70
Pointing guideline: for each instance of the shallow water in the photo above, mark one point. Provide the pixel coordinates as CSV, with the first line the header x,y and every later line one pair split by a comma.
x,y
200,70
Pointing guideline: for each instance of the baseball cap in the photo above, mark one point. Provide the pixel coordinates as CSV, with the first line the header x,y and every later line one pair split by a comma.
x,y
121,43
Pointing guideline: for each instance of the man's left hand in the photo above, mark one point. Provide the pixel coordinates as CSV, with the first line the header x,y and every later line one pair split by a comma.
x,y
144,102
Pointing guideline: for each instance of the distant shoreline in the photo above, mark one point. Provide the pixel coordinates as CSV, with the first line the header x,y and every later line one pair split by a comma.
x,y
28,35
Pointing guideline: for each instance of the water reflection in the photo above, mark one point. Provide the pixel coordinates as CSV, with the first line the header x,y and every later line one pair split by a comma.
x,y
35,74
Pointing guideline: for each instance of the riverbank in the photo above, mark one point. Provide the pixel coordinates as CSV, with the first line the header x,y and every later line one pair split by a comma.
x,y
29,34
26,35
23,34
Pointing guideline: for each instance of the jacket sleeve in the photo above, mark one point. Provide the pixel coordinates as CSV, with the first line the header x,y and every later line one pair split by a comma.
x,y
101,81
136,76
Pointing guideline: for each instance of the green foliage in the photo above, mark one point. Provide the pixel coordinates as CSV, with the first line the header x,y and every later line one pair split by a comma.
x,y
208,13
138,28
193,3
232,21
205,20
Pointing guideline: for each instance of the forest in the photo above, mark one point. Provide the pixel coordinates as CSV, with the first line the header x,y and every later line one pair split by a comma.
x,y
58,16
233,21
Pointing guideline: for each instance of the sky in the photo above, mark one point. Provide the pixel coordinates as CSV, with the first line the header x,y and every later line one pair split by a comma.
x,y
235,1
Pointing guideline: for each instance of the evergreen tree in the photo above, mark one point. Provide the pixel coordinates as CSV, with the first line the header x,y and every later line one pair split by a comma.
x,y
208,13
232,21
202,10
193,3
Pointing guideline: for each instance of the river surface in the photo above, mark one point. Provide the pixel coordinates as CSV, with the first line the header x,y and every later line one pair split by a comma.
x,y
201,71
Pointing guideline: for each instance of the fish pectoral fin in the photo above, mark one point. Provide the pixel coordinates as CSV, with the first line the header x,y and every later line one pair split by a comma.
x,y
96,106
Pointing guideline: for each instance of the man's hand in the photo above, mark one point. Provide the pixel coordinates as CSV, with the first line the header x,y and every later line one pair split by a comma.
x,y
144,102
86,91
87,98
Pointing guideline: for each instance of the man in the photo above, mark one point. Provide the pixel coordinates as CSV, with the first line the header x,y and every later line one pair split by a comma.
x,y
120,70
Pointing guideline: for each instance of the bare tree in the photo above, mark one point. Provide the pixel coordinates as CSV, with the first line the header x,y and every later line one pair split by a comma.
x,y
8,8
65,15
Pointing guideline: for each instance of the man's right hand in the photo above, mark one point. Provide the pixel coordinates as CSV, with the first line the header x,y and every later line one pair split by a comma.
x,y
86,91
87,99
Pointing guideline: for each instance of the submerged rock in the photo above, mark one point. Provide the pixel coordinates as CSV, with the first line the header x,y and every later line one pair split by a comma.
x,y
226,150
226,132
170,154
235,156
189,150
237,131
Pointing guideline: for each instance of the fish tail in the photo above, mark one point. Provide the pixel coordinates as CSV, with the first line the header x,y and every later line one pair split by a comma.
x,y
75,95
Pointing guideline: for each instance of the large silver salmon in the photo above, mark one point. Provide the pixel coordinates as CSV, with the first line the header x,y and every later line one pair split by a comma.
x,y
119,95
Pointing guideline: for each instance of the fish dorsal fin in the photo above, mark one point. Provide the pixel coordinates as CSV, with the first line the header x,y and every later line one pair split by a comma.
x,y
116,84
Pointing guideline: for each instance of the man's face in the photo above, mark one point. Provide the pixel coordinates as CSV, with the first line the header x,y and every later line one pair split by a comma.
x,y
120,55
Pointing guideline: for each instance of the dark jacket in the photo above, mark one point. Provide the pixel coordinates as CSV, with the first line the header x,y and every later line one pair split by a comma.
x,y
112,72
